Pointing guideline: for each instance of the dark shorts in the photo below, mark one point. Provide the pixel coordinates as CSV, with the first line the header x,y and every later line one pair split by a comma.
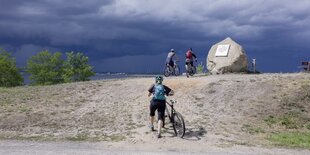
x,y
191,63
170,62
160,106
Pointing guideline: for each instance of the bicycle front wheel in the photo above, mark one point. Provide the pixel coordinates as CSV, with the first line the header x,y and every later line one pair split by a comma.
x,y
177,71
166,71
168,112
178,125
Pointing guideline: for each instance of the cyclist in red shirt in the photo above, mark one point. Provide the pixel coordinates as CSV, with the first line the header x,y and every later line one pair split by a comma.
x,y
189,55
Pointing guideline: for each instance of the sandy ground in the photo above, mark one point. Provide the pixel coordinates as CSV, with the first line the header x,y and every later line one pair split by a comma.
x,y
215,108
90,148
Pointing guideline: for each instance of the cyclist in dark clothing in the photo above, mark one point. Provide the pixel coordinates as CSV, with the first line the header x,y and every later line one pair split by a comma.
x,y
158,102
169,59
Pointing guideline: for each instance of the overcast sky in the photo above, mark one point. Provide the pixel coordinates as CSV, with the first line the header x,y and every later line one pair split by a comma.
x,y
135,35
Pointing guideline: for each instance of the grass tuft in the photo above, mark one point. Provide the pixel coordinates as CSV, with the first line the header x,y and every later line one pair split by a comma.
x,y
252,130
291,139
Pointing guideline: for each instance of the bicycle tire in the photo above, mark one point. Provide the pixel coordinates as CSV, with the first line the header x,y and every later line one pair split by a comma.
x,y
191,73
187,70
177,71
167,114
178,125
168,109
192,70
166,71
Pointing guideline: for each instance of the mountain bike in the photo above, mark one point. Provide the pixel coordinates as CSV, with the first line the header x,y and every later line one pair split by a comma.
x,y
175,70
191,70
176,119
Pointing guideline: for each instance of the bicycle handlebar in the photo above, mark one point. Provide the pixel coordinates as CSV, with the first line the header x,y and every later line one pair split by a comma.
x,y
171,103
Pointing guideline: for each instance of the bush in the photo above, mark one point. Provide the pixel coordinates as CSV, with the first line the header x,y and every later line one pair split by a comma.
x,y
200,68
45,68
76,68
9,73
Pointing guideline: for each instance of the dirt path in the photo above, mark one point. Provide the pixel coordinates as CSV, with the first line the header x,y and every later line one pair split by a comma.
x,y
64,148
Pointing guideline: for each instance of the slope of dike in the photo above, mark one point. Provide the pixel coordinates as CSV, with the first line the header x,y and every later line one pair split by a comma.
x,y
219,110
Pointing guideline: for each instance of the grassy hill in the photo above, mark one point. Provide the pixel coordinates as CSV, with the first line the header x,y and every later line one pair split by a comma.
x,y
221,110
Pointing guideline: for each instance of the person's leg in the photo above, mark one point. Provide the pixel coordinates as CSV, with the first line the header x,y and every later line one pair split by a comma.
x,y
171,63
161,116
186,66
160,124
152,114
152,120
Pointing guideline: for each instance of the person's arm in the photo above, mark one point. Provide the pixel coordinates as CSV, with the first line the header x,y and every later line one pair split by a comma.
x,y
150,90
168,91
171,93
194,55
176,57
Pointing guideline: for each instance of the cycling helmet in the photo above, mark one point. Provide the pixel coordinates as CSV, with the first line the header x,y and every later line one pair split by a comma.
x,y
190,49
159,79
172,50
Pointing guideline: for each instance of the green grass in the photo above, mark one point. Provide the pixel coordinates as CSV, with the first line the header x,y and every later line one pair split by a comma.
x,y
288,121
25,137
291,139
78,137
252,130
117,138
270,120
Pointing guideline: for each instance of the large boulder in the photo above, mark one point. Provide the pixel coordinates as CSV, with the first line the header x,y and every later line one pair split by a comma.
x,y
226,56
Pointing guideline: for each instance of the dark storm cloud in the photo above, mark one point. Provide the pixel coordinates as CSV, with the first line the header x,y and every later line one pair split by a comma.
x,y
114,30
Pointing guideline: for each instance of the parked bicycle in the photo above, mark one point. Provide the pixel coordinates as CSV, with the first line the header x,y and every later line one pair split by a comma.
x,y
191,70
175,70
176,119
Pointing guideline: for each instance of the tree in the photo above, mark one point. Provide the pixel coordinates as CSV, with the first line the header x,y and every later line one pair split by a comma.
x,y
9,73
76,68
45,68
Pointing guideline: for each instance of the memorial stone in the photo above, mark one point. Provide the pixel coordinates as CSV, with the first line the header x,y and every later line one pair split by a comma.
x,y
227,56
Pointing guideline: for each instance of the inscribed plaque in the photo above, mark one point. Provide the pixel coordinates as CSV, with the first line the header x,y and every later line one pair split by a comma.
x,y
222,50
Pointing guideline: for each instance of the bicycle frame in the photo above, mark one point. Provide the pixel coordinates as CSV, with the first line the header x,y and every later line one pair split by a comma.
x,y
172,111
178,125
169,70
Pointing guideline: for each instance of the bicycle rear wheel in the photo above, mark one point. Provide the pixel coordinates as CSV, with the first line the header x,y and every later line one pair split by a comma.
x,y
188,70
178,125
192,71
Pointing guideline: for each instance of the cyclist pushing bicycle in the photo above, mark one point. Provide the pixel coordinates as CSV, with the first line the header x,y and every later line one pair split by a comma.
x,y
158,102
